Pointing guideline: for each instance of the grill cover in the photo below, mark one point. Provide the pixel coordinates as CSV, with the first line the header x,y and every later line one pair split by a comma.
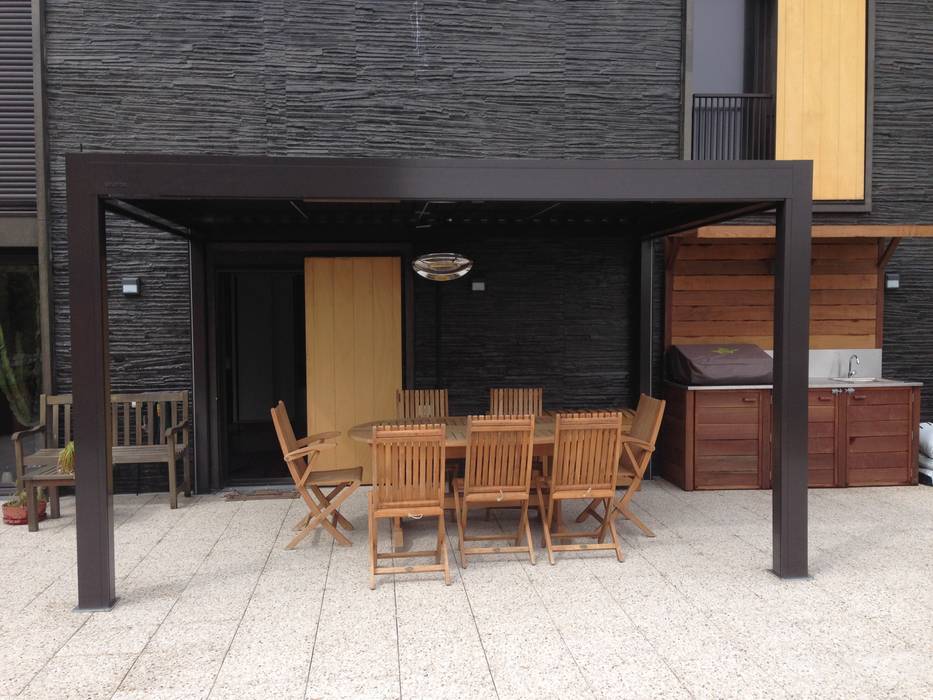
x,y
713,365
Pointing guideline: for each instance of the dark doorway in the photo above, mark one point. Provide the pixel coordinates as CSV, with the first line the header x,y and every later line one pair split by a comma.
x,y
261,353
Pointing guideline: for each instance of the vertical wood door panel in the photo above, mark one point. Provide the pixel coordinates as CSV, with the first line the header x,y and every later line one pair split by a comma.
x,y
821,92
353,317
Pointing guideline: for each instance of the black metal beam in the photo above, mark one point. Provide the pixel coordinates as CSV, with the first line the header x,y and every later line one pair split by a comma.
x,y
791,363
90,359
159,176
94,177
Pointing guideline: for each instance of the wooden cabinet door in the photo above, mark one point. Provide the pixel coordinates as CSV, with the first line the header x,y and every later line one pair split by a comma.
x,y
821,438
879,430
729,451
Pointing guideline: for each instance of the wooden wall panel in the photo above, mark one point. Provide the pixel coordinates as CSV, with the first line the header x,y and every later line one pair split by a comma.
x,y
724,292
821,92
353,314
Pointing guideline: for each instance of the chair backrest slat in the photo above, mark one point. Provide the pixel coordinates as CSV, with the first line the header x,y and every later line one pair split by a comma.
x,y
586,449
418,404
516,402
408,465
499,452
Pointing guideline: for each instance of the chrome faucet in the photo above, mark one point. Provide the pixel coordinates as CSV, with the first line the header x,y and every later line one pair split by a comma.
x,y
857,362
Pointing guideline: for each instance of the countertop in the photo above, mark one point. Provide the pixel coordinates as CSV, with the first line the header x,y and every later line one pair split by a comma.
x,y
813,383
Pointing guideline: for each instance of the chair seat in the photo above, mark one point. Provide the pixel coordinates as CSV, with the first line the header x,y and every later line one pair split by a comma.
x,y
332,477
141,454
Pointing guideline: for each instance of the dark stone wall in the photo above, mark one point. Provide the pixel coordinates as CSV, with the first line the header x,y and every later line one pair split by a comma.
x,y
559,312
461,78
457,78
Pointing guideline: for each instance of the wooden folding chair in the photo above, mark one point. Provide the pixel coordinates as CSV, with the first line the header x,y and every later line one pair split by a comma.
x,y
516,402
586,459
418,404
299,455
637,447
498,473
408,481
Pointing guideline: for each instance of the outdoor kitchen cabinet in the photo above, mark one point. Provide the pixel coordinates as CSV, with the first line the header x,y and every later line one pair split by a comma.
x,y
881,435
721,438
716,439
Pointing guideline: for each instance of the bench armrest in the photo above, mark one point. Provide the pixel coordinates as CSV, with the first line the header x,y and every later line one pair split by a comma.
x,y
184,425
17,436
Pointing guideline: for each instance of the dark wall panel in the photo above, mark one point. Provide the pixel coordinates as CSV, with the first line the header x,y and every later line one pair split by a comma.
x,y
464,78
558,312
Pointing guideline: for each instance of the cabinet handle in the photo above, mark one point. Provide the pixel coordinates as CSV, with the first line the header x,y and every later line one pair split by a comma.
x,y
748,399
825,398
858,398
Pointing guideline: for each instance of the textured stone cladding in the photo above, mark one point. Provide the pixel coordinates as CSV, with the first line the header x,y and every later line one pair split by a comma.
x,y
343,78
454,78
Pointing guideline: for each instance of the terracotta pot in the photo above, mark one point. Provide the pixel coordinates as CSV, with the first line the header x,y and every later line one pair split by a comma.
x,y
17,515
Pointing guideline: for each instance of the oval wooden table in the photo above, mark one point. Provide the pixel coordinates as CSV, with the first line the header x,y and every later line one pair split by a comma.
x,y
457,440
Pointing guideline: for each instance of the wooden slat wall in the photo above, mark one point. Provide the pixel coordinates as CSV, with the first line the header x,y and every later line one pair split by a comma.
x,y
821,92
722,292
353,310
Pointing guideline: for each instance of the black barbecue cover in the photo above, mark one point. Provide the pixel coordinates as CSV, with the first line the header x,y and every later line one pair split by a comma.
x,y
712,365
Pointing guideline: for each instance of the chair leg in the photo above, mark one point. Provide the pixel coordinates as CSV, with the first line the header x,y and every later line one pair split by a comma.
x,y
610,521
319,516
325,500
398,537
442,547
547,522
588,511
373,538
623,507
531,545
461,517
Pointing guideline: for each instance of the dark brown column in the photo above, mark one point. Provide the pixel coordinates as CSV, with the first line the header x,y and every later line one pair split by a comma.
x,y
791,362
90,361
200,400
645,309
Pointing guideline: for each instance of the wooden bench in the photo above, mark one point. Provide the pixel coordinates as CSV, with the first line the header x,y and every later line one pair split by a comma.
x,y
148,428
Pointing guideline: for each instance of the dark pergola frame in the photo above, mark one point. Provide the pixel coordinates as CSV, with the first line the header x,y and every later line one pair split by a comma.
x,y
97,183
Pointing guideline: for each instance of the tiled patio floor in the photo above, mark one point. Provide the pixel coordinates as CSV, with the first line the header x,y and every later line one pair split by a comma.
x,y
212,605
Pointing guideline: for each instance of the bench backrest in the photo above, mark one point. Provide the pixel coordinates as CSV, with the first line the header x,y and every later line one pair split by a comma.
x,y
137,419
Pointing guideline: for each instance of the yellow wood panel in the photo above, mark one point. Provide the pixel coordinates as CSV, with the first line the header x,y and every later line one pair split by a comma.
x,y
354,345
821,92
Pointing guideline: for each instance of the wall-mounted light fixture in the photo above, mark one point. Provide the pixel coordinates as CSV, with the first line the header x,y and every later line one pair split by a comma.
x,y
892,280
442,267
130,286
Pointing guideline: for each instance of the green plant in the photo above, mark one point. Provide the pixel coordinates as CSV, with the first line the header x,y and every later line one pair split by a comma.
x,y
16,378
19,499
66,459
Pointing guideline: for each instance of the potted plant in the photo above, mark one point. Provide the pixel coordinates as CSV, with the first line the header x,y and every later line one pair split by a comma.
x,y
15,511
66,459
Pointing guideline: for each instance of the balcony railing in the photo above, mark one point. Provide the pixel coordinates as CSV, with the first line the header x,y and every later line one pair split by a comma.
x,y
733,127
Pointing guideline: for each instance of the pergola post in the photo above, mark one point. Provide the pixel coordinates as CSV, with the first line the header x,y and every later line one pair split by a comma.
x,y
791,364
90,361
645,309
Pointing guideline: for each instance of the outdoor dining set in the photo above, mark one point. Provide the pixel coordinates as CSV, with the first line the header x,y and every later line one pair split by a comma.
x,y
518,456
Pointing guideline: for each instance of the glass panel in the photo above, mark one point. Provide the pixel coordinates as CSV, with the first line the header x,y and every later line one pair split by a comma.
x,y
20,357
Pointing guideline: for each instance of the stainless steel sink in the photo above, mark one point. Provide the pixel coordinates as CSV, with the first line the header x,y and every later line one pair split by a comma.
x,y
854,380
